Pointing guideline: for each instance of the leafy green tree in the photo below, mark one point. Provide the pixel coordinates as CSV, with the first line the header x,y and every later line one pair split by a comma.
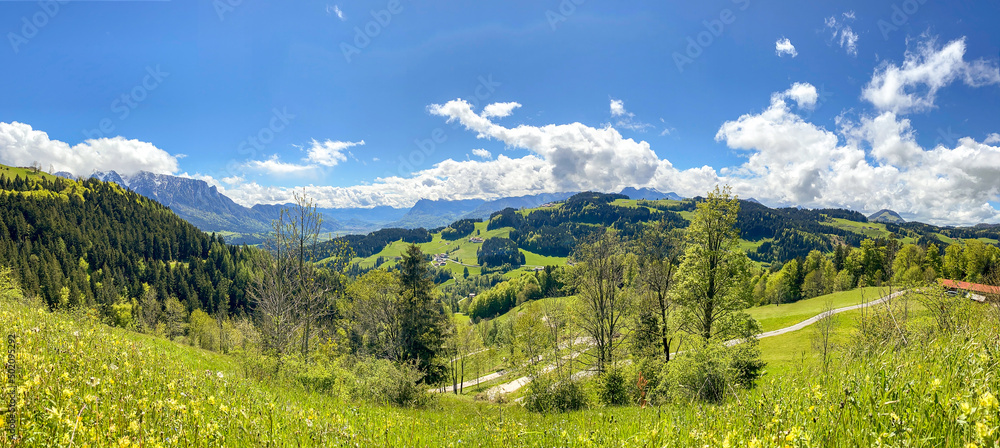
x,y
954,262
933,258
713,279
376,312
908,265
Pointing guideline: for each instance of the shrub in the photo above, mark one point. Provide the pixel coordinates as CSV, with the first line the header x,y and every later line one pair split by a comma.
x,y
699,373
745,364
545,395
382,382
613,389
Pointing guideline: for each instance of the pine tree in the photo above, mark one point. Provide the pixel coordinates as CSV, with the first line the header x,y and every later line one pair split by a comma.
x,y
424,321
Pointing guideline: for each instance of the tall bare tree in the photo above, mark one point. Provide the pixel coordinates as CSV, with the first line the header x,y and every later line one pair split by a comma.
x,y
276,303
301,226
661,248
604,299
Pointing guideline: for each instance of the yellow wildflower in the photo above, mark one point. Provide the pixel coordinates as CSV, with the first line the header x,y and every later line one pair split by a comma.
x,y
988,400
965,407
983,430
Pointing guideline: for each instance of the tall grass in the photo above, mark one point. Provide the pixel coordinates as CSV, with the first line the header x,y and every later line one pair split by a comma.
x,y
84,384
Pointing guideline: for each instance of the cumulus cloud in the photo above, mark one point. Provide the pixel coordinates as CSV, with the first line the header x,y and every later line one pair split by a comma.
x,y
330,153
580,157
913,86
500,110
482,154
804,94
617,108
20,145
842,33
784,46
448,179
992,138
866,165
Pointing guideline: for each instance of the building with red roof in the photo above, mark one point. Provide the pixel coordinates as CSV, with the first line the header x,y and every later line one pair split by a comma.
x,y
977,292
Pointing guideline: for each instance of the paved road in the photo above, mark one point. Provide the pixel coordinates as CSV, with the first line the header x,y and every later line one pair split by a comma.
x,y
819,316
514,385
500,373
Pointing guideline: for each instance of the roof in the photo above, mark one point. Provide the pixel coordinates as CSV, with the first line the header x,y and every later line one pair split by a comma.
x,y
973,287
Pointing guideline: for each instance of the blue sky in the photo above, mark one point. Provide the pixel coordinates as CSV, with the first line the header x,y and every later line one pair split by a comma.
x,y
260,97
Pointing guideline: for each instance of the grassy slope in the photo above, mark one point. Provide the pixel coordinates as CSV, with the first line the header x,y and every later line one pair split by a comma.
x,y
99,386
773,317
12,172
465,254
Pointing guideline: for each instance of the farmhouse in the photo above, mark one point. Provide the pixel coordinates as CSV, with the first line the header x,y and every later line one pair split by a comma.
x,y
976,291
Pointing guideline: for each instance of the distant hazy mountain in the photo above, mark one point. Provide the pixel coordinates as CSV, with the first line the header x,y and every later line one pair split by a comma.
x,y
888,216
436,213
211,211
486,209
360,220
649,194
65,175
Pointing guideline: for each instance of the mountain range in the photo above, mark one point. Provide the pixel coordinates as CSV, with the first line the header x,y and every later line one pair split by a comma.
x,y
204,206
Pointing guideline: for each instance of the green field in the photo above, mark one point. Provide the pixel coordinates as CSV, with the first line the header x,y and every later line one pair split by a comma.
x,y
772,317
26,173
869,229
461,251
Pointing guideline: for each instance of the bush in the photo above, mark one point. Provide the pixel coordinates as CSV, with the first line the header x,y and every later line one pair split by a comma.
x,y
646,379
545,395
745,364
382,382
613,389
700,373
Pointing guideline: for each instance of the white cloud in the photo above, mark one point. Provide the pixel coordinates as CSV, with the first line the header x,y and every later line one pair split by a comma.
x,y
618,108
448,179
580,157
273,166
849,41
500,110
335,9
784,46
992,139
842,33
913,86
330,153
626,119
873,163
482,154
804,94
20,145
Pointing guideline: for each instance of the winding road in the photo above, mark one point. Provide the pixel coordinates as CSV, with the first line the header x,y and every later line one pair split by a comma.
x,y
518,383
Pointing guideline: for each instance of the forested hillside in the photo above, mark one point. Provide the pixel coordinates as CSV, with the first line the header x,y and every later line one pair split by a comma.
x,y
95,244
